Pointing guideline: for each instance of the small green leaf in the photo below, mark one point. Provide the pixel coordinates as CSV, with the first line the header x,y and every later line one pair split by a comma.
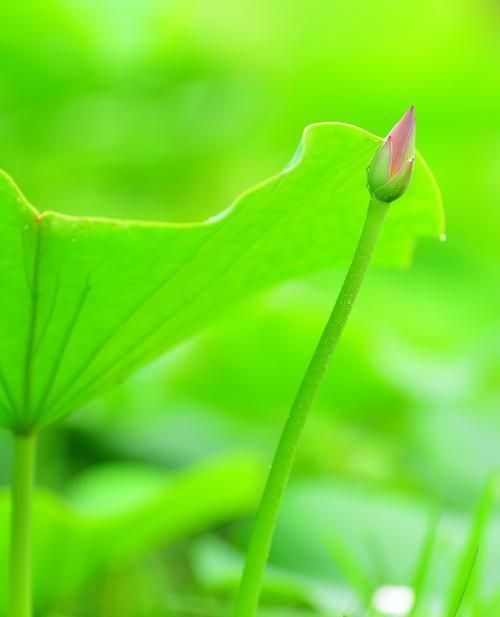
x,y
86,301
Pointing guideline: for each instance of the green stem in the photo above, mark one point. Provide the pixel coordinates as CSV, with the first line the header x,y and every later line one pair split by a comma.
x,y
265,522
21,514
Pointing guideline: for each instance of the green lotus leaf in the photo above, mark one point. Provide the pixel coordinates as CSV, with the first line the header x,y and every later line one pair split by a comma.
x,y
86,301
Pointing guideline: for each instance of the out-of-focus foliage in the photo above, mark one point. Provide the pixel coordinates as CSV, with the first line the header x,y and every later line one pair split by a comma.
x,y
117,513
167,110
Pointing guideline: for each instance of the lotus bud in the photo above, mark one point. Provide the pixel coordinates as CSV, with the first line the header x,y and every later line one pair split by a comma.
x,y
391,169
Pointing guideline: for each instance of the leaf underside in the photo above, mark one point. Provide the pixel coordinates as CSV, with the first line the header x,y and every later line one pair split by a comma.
x,y
86,301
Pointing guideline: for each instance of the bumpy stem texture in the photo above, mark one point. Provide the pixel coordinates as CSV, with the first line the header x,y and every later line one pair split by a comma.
x,y
20,541
265,522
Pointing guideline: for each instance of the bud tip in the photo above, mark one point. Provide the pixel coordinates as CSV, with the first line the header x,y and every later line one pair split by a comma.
x,y
390,171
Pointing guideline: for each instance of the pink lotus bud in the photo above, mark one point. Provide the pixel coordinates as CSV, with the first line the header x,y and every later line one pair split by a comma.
x,y
392,166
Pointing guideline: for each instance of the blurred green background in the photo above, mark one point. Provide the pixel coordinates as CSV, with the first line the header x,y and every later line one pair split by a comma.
x,y
166,110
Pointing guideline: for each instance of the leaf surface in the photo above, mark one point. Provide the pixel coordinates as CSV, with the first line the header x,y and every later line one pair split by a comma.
x,y
85,301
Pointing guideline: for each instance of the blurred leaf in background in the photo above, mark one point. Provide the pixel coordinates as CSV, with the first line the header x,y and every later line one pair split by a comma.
x,y
116,514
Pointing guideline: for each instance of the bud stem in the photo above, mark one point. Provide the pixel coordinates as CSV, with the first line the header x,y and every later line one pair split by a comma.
x,y
265,522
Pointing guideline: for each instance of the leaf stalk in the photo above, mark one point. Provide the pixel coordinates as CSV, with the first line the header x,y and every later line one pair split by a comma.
x,y
20,593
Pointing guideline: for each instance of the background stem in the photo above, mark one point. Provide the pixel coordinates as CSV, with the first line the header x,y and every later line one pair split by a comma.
x,y
20,542
265,522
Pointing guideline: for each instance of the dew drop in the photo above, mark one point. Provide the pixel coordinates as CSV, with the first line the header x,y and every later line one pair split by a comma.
x,y
442,237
